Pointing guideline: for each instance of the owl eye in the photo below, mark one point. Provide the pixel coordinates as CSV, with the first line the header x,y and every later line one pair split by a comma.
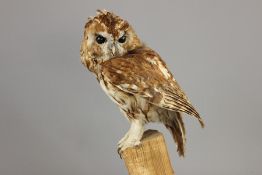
x,y
122,39
100,39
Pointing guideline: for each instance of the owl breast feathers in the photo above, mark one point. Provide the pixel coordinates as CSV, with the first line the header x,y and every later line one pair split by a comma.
x,y
135,78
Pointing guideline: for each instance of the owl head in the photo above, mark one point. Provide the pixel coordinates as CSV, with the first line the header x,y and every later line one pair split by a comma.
x,y
106,36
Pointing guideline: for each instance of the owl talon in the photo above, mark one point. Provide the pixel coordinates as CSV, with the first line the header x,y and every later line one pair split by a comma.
x,y
119,152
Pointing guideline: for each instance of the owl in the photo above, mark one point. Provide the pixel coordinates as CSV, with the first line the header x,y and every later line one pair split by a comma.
x,y
135,77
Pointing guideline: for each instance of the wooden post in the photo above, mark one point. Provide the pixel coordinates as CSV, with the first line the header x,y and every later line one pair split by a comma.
x,y
150,157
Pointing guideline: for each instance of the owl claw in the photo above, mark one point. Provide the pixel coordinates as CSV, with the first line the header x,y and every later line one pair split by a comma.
x,y
119,152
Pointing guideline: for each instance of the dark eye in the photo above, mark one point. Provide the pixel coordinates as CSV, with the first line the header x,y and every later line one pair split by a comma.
x,y
122,39
100,39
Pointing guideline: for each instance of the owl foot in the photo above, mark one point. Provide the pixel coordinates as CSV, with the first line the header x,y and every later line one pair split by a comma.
x,y
132,137
128,143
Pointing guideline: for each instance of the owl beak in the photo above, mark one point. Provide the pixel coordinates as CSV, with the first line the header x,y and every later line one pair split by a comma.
x,y
113,50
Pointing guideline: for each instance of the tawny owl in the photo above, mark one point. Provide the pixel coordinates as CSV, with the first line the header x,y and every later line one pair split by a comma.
x,y
135,78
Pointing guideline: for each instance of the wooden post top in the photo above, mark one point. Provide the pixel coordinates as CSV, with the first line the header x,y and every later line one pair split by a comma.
x,y
150,157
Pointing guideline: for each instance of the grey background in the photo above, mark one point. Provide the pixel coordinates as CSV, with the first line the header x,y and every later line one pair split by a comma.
x,y
55,119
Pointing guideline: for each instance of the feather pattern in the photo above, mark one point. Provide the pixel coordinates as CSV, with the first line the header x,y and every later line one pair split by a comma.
x,y
177,129
135,74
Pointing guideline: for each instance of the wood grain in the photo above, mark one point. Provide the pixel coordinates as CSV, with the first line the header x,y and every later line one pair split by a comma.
x,y
150,157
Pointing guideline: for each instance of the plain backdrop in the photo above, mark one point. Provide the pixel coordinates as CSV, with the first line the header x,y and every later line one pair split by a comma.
x,y
56,120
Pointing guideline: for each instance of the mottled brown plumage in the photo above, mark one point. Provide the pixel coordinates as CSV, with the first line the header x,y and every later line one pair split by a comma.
x,y
135,77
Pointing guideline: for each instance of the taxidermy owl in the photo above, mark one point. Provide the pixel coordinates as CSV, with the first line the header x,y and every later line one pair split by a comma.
x,y
135,78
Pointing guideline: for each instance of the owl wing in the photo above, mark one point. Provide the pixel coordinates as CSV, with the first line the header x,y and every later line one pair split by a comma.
x,y
143,73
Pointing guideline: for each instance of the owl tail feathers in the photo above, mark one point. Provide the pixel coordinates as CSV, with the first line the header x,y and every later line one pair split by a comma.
x,y
200,120
177,129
